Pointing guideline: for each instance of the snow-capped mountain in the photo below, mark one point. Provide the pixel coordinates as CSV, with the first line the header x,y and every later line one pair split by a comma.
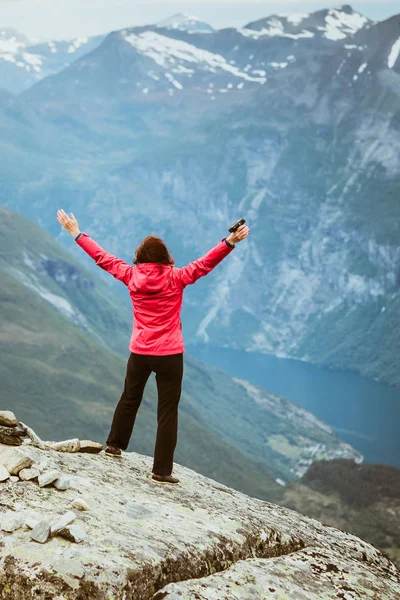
x,y
185,22
23,63
142,63
333,24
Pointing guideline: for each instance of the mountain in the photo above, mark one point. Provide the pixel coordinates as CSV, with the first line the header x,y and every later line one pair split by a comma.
x,y
332,24
155,62
362,499
113,533
73,323
23,63
186,131
185,22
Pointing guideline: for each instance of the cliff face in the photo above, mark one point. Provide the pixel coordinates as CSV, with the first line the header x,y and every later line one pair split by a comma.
x,y
134,539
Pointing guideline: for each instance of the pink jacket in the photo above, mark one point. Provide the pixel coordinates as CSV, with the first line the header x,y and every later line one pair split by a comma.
x,y
156,291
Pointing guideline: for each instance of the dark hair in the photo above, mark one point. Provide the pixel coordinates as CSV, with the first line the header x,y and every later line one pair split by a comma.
x,y
153,250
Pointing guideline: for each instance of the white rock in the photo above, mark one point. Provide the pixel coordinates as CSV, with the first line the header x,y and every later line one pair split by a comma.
x,y
74,533
29,473
67,445
41,532
14,478
7,418
48,477
35,439
80,504
14,459
62,521
62,483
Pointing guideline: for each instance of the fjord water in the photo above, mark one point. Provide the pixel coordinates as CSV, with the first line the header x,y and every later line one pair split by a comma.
x,y
362,412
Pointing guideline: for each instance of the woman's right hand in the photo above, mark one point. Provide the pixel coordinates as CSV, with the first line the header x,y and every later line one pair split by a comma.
x,y
239,235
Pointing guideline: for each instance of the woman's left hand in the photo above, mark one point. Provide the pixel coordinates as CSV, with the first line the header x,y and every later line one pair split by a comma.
x,y
70,224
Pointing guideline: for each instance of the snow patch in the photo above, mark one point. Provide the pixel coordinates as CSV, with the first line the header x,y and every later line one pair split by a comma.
x,y
394,54
162,49
296,19
340,24
278,65
73,47
275,28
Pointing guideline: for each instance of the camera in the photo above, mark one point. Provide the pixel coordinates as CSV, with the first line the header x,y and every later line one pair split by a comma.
x,y
236,225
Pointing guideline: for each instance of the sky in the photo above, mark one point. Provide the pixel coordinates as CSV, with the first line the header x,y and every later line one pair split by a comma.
x,y
64,19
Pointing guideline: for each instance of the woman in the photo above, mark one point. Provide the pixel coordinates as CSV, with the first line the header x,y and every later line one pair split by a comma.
x,y
156,289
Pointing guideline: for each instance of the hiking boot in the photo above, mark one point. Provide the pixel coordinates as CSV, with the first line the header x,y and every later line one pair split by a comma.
x,y
112,451
164,479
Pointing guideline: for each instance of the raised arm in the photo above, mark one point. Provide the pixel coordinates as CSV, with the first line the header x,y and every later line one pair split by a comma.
x,y
106,261
202,266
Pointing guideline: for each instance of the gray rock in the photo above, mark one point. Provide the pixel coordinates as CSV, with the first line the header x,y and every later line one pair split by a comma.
x,y
62,482
73,533
200,533
301,575
14,459
62,521
14,478
10,435
66,445
4,474
41,532
48,477
35,439
91,447
7,418
80,504
29,473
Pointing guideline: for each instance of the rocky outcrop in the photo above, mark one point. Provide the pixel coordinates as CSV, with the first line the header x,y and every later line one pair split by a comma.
x,y
136,540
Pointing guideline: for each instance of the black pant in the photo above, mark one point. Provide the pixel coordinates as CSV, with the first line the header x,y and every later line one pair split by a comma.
x,y
169,374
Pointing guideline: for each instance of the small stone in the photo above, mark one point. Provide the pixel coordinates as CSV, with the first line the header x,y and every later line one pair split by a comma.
x,y
35,439
67,445
10,521
62,483
89,446
7,418
74,533
61,522
41,532
14,478
80,504
4,474
11,436
29,473
48,477
14,460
